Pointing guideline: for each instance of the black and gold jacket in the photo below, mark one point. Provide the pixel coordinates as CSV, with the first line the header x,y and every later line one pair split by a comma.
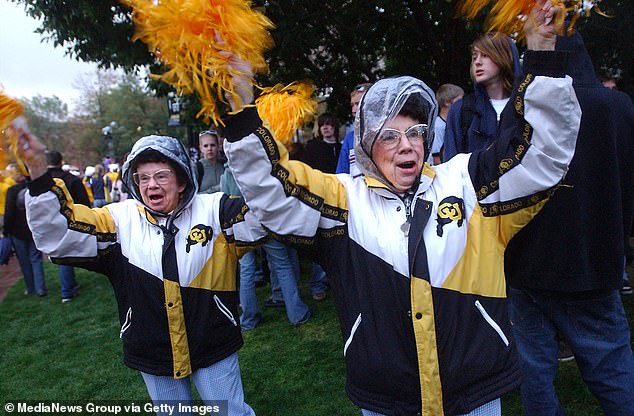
x,y
418,280
174,277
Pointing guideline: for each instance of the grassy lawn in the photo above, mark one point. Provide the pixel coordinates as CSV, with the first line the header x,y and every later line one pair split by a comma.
x,y
54,351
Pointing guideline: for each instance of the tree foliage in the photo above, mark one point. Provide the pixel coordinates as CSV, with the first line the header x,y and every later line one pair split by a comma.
x,y
46,117
334,43
609,41
116,99
123,102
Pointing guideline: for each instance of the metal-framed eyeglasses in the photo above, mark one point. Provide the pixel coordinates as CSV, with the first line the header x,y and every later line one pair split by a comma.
x,y
162,177
390,138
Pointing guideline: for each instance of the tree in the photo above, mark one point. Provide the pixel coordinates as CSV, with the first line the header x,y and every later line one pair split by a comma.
x,y
609,39
122,103
91,31
46,116
334,43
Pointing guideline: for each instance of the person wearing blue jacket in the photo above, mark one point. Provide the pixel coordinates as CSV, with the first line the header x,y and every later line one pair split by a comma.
x,y
565,267
472,123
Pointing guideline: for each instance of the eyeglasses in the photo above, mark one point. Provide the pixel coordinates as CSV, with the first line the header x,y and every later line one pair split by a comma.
x,y
162,177
390,138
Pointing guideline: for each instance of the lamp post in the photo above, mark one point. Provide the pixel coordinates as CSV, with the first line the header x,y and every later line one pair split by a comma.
x,y
107,132
174,108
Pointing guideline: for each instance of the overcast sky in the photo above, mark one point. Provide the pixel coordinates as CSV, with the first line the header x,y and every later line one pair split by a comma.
x,y
29,67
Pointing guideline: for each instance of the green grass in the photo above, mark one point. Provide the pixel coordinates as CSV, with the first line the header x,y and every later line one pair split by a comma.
x,y
54,351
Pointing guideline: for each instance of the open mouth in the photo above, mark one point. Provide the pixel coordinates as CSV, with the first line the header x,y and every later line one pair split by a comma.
x,y
406,165
155,198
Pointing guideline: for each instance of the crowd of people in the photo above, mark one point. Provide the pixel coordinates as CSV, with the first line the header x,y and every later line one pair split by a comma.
x,y
458,235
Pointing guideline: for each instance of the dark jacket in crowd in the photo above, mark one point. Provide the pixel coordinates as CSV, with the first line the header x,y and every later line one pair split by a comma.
x,y
15,213
321,155
73,184
576,243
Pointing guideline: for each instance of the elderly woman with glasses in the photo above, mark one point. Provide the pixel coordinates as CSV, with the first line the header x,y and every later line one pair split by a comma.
x,y
211,167
414,252
170,255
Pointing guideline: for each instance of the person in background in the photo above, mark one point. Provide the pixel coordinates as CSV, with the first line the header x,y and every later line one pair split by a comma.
x,y
415,254
322,153
16,227
609,82
346,161
112,173
6,182
54,160
472,123
209,168
100,186
282,272
170,256
446,95
88,172
565,268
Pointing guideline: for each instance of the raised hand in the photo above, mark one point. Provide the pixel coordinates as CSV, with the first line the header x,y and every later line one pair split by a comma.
x,y
29,148
242,81
543,25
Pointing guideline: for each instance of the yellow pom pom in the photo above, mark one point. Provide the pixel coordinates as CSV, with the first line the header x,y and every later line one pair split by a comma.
x,y
506,15
287,108
181,34
10,109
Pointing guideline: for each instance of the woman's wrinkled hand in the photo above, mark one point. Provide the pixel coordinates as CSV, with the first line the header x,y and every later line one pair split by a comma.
x,y
543,25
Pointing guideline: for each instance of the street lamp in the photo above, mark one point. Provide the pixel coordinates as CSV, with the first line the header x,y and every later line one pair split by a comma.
x,y
107,132
174,108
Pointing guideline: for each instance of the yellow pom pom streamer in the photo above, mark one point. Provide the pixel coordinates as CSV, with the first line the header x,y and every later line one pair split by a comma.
x,y
182,35
10,109
287,108
505,15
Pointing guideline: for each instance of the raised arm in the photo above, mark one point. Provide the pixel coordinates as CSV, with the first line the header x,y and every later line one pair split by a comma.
x,y
535,145
290,198
68,232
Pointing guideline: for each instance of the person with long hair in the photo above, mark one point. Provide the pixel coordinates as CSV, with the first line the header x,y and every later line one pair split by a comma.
x,y
472,123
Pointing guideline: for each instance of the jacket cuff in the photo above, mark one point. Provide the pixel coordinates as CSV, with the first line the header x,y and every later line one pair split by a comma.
x,y
546,63
241,124
41,185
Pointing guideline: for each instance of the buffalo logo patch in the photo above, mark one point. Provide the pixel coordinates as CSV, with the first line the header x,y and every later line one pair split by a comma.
x,y
450,209
201,233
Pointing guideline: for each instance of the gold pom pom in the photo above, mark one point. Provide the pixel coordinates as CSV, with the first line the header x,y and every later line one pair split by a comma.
x,y
287,108
181,34
10,109
506,15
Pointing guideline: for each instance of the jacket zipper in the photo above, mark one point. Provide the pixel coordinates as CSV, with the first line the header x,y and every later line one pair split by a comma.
x,y
127,323
491,322
352,331
225,311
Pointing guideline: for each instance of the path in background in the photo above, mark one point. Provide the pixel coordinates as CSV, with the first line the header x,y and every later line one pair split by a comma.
x,y
9,274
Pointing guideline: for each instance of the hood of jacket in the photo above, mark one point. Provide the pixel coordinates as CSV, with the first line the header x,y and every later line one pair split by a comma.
x,y
173,150
382,102
580,66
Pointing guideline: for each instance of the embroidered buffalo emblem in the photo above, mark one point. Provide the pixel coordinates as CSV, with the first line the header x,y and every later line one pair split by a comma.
x,y
450,209
201,233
